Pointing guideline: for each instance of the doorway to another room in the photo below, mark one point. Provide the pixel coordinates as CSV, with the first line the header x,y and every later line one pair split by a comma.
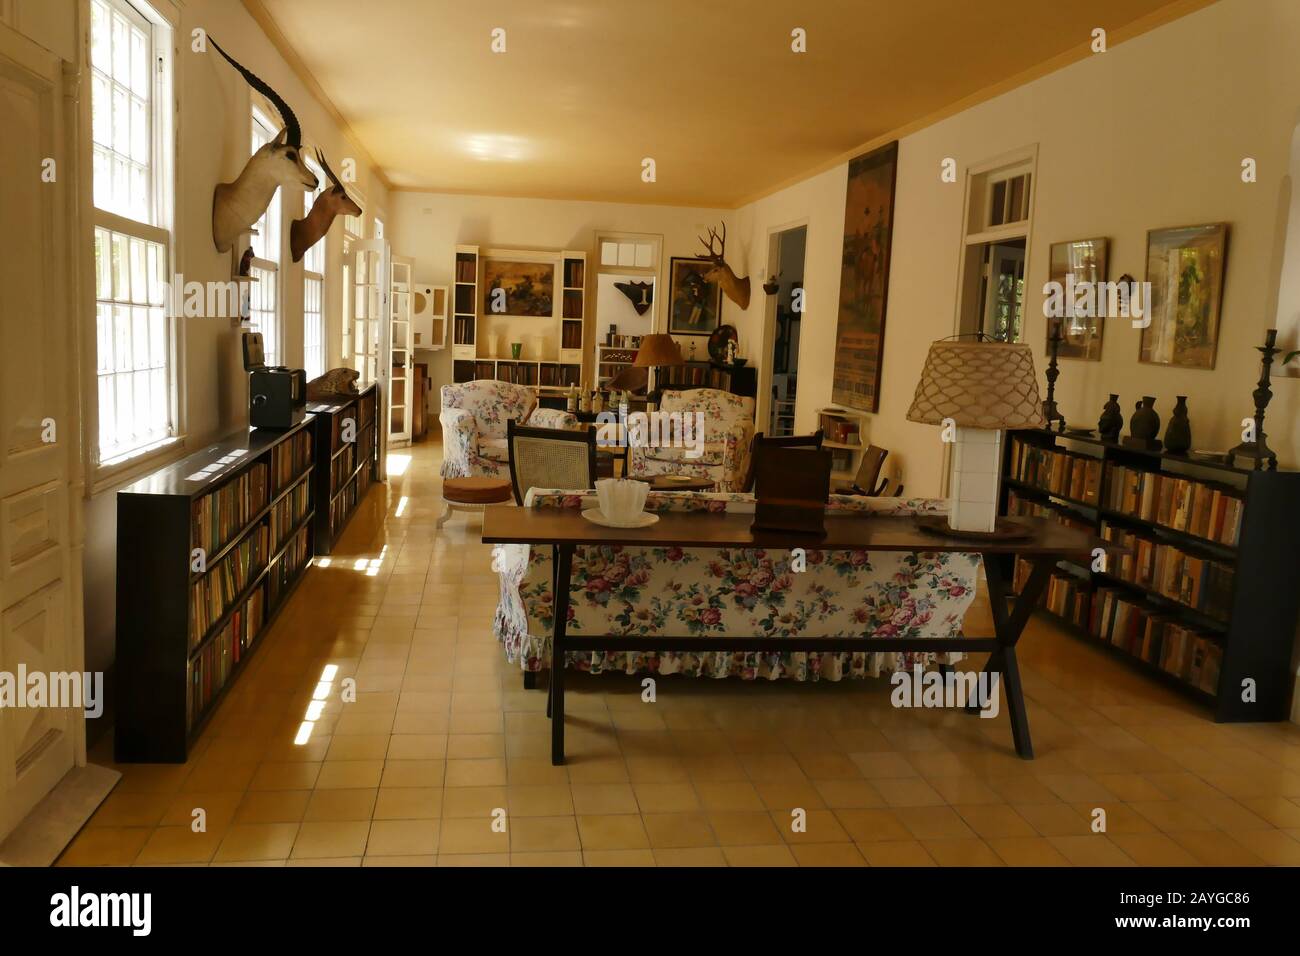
x,y
784,314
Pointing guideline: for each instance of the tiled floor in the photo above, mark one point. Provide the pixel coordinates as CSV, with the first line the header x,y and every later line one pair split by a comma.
x,y
442,740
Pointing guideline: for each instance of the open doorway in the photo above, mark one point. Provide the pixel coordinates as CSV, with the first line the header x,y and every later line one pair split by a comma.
x,y
785,259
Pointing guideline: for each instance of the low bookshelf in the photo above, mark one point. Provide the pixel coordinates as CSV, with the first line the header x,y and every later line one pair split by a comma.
x,y
1200,595
208,549
348,462
736,379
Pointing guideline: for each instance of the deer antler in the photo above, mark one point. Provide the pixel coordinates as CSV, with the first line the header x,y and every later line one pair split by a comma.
x,y
722,248
293,131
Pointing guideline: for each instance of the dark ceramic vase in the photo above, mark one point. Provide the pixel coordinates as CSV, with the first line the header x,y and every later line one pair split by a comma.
x,y
1178,433
1145,423
1111,421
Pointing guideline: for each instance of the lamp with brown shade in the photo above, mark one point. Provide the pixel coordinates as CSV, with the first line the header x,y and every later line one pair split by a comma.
x,y
658,349
975,389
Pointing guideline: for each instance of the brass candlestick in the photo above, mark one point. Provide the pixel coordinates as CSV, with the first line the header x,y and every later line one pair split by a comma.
x,y
1258,450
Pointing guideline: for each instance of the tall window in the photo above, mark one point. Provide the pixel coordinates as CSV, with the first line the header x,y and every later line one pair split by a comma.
x,y
131,126
353,228
265,306
998,220
313,291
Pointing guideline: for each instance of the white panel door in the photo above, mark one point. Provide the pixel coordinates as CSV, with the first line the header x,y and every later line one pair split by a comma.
x,y
40,581
372,329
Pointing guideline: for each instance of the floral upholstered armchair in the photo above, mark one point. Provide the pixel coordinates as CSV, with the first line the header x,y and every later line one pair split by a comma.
x,y
728,434
713,591
474,416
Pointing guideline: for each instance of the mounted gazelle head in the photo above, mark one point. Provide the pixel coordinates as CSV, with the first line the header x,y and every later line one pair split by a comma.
x,y
333,201
737,289
236,206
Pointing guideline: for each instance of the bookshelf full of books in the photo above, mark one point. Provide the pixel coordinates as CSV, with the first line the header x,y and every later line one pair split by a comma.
x,y
208,549
1197,591
348,462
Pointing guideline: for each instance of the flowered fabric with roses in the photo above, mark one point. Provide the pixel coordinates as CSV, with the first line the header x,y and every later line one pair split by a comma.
x,y
708,591
474,414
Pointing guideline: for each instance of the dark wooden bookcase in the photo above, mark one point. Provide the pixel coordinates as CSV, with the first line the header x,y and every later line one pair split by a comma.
x,y
344,470
1255,629
737,379
160,650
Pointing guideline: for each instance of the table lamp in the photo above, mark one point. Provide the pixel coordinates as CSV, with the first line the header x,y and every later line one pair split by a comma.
x,y
658,349
976,388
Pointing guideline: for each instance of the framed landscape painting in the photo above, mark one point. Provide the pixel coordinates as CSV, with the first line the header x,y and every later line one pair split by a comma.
x,y
864,278
694,302
518,288
1185,269
1085,259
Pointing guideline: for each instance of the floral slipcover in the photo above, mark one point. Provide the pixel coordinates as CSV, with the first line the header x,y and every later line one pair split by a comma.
x,y
474,416
728,435
706,591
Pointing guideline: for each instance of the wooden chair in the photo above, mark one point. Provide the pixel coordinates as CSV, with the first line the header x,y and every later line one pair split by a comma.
x,y
550,458
864,482
813,442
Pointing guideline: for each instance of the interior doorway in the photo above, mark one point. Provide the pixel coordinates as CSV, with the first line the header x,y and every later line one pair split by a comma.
x,y
785,309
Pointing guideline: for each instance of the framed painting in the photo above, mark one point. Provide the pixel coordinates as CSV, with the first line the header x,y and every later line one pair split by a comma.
x,y
864,278
1084,313
1185,269
694,301
524,289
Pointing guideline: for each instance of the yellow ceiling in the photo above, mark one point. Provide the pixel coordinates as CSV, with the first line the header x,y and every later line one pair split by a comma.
x,y
709,89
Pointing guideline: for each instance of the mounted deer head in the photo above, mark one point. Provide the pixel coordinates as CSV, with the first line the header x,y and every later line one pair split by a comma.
x,y
306,232
737,289
236,206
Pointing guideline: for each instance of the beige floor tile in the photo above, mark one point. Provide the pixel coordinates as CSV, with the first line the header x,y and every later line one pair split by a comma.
x,y
180,845
285,776
540,801
273,806
690,856
896,853
666,797
1274,847
828,854
257,841
612,832
637,858
934,823
350,775
603,799
403,837
472,835
543,834
872,826
1153,849
475,773
415,773
1027,851
1094,850
762,856
106,846
744,828
336,805
962,852
1054,819
459,802
996,821
810,826
678,830
907,792
331,839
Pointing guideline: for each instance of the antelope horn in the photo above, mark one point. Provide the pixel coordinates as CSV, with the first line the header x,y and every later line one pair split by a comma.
x,y
326,166
293,131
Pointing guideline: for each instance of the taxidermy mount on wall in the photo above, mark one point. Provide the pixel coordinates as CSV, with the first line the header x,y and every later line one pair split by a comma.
x,y
306,232
737,289
641,294
236,206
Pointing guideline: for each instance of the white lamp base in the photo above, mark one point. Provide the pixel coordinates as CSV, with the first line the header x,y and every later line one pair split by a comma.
x,y
975,478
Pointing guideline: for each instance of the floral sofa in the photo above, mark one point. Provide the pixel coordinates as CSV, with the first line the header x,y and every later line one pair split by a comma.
x,y
474,416
728,435
687,592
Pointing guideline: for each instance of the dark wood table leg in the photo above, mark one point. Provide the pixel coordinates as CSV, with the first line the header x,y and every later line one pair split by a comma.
x,y
555,568
561,608
530,680
1008,626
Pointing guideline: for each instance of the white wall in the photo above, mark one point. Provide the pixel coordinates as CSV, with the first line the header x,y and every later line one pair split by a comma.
x,y
1148,135
427,227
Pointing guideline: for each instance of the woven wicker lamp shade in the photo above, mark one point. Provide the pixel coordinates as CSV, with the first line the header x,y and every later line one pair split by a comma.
x,y
989,385
658,349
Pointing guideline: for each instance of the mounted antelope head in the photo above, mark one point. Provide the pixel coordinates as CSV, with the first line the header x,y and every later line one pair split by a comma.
x,y
236,206
737,289
306,232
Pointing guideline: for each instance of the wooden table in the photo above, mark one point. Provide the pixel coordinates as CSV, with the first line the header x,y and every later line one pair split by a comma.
x,y
564,530
684,483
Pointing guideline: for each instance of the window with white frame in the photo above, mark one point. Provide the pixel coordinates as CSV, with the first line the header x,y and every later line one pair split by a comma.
x,y
132,161
265,306
998,221
353,229
313,290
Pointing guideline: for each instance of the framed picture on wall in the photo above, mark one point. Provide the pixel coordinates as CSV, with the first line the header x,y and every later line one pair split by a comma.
x,y
1185,269
1081,321
864,279
524,289
694,301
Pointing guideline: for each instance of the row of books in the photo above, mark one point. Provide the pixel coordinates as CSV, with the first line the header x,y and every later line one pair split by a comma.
x,y
1202,584
574,273
208,671
290,458
1141,629
1183,504
1058,472
466,267
571,304
288,511
295,555
212,594
1018,505
220,515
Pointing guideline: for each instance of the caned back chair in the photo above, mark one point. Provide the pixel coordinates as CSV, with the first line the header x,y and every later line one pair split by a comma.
x,y
550,458
813,442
